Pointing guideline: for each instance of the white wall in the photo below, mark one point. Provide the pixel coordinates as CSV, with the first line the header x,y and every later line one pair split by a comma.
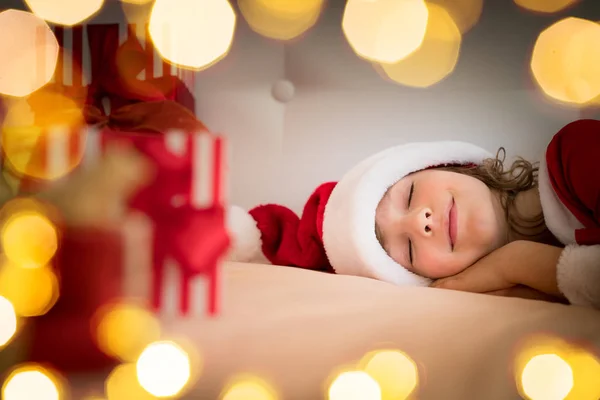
x,y
343,110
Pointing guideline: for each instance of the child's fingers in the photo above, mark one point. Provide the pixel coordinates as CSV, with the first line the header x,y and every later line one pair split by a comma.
x,y
473,279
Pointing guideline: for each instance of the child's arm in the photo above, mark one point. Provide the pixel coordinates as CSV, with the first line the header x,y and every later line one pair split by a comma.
x,y
517,263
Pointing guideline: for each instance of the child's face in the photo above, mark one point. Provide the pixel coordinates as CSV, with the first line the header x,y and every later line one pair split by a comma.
x,y
452,221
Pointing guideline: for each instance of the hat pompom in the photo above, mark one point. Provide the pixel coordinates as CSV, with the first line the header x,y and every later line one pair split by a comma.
x,y
245,236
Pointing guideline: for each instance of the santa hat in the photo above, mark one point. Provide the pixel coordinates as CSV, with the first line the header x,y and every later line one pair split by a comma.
x,y
336,231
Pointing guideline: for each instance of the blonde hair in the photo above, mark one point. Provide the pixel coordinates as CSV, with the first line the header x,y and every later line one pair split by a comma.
x,y
520,177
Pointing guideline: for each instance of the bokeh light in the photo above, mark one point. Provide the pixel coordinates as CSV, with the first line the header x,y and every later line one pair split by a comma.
x,y
31,382
65,12
395,372
384,31
354,385
548,367
29,58
32,291
124,330
122,384
8,321
195,34
547,377
29,239
565,61
163,369
137,2
435,59
280,19
465,13
248,388
545,6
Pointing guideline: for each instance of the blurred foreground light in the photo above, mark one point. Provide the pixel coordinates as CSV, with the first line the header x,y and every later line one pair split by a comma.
x,y
248,388
354,385
122,384
395,372
65,12
8,321
565,60
385,31
29,52
435,59
163,369
465,13
32,291
193,34
548,367
29,239
124,330
31,382
547,377
280,19
545,6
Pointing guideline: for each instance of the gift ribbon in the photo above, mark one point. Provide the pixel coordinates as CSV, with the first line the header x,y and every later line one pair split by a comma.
x,y
194,238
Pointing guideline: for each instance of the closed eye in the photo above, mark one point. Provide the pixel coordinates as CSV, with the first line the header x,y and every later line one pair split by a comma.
x,y
410,247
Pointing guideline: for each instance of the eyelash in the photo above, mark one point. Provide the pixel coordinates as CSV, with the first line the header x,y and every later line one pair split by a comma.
x,y
410,247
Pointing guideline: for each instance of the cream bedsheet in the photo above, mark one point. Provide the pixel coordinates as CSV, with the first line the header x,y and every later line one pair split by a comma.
x,y
295,327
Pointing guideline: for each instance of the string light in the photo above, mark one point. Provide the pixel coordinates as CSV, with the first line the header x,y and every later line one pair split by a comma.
x,y
385,31
163,369
122,384
435,59
195,34
8,321
545,6
394,371
31,382
565,60
280,19
547,377
354,385
29,239
124,330
32,291
29,58
248,388
65,12
465,13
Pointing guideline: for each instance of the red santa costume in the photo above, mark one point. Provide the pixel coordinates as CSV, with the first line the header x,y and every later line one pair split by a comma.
x,y
336,230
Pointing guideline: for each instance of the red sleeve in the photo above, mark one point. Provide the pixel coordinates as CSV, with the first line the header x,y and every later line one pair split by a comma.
x,y
574,169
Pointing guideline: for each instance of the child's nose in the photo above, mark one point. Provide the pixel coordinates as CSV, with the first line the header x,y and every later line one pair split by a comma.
x,y
421,222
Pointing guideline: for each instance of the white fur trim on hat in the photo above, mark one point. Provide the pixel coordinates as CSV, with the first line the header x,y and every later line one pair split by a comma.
x,y
578,275
349,221
245,237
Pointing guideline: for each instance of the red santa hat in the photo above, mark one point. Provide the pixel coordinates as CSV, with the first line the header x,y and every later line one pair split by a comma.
x,y
336,231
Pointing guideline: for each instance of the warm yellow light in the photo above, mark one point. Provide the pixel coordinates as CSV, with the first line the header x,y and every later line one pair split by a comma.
x,y
280,19
124,330
29,240
395,372
385,30
354,385
65,12
547,377
565,60
465,13
248,388
194,34
31,382
435,59
32,291
163,369
29,57
8,321
545,6
122,384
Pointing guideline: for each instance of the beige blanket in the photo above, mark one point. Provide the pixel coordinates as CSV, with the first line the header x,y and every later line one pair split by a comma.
x,y
294,328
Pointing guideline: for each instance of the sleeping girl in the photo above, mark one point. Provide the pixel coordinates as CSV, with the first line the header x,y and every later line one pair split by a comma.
x,y
449,215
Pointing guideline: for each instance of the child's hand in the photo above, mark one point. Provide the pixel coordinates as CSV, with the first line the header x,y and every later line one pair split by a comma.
x,y
519,263
489,274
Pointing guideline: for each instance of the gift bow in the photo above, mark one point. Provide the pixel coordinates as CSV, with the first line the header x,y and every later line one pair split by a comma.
x,y
194,238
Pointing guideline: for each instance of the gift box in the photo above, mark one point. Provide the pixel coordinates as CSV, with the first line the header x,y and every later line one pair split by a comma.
x,y
183,202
